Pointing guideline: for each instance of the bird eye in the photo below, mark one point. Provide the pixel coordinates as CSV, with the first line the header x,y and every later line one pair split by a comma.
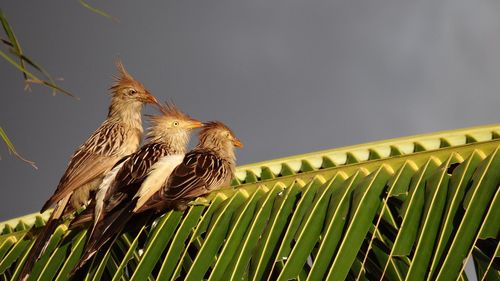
x,y
132,92
176,123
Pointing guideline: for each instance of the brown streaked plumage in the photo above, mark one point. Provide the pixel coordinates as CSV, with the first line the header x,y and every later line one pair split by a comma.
x,y
118,136
138,177
209,166
158,132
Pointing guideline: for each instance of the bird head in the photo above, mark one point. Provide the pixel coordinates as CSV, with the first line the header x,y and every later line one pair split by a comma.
x,y
170,122
217,134
128,90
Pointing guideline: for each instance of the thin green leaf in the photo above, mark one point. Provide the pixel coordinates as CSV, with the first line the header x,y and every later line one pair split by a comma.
x,y
37,67
128,255
157,241
397,185
215,236
236,234
177,251
53,264
51,248
12,149
435,194
14,253
491,225
309,233
411,212
392,272
17,253
485,181
270,239
366,201
15,48
338,210
99,12
412,209
459,181
249,243
34,78
489,269
13,39
5,246
299,213
78,243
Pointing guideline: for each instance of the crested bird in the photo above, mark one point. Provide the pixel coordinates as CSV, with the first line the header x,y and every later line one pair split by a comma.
x,y
208,167
132,182
118,136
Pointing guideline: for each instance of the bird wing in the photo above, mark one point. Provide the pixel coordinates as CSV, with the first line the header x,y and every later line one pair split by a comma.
x,y
198,174
159,174
134,172
93,159
102,191
125,178
137,167
117,203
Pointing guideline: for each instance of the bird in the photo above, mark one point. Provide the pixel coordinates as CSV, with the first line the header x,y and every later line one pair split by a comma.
x,y
118,136
208,167
132,182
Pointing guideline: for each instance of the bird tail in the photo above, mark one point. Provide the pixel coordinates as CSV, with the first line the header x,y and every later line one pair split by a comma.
x,y
104,233
42,240
84,219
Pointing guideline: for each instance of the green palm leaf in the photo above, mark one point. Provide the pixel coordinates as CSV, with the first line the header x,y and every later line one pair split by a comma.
x,y
412,208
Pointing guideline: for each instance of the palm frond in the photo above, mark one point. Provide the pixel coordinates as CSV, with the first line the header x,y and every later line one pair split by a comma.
x,y
412,208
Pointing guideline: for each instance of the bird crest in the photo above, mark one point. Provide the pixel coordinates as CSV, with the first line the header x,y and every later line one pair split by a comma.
x,y
168,111
123,79
215,125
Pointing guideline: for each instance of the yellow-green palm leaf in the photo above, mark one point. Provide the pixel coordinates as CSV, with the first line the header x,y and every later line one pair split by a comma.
x,y
411,208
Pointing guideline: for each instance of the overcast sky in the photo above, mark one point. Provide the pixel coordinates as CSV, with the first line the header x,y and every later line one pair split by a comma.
x,y
289,76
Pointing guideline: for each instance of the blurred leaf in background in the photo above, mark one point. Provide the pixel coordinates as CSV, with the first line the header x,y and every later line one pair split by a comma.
x,y
20,61
13,150
12,52
99,12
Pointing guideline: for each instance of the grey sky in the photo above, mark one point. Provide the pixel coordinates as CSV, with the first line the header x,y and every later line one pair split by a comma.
x,y
289,76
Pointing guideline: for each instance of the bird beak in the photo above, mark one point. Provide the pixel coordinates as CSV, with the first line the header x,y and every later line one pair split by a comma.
x,y
149,98
195,124
238,143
